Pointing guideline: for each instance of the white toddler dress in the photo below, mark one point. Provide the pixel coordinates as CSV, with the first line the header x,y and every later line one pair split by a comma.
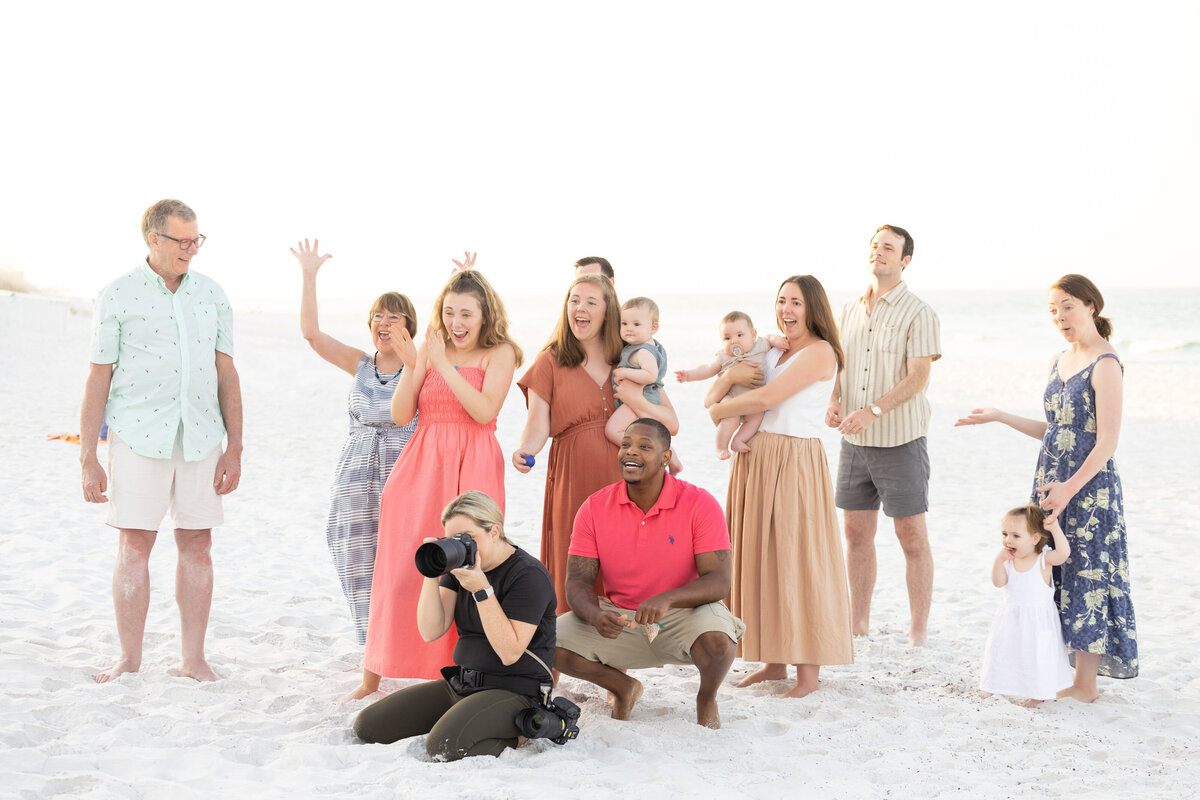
x,y
1025,655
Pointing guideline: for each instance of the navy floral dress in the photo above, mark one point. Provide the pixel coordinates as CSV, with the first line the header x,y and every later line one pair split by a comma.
x,y
1092,586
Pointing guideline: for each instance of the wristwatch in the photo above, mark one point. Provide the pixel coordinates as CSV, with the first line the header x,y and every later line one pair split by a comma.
x,y
483,594
877,411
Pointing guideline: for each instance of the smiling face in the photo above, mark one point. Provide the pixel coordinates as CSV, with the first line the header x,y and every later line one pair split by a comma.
x,y
789,312
642,455
585,311
463,319
737,332
1016,538
383,324
1073,318
636,325
886,255
166,257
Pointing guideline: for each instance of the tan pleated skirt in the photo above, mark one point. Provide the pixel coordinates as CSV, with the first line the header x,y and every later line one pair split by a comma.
x,y
789,575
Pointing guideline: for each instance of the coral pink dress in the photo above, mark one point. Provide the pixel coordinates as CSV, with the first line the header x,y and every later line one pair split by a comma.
x,y
449,454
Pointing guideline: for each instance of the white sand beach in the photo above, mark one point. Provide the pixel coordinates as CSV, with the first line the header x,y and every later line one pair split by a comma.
x,y
898,723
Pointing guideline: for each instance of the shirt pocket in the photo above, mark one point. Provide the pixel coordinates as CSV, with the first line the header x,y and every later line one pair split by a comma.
x,y
205,334
893,339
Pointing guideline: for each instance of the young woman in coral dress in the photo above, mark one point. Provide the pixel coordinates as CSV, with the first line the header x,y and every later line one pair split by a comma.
x,y
458,380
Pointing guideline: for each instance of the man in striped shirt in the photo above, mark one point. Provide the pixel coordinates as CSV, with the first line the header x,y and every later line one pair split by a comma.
x,y
890,338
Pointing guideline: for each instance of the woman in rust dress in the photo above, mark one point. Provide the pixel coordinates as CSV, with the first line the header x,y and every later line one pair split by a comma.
x,y
568,391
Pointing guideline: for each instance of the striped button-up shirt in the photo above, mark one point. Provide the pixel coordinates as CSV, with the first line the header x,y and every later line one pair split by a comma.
x,y
162,346
878,345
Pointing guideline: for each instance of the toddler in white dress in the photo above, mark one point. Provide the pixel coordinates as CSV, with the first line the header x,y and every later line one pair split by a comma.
x,y
1025,654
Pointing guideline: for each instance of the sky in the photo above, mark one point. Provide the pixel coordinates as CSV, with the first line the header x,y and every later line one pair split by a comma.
x,y
699,146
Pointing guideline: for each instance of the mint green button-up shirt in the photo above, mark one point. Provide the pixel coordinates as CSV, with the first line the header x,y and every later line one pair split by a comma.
x,y
163,347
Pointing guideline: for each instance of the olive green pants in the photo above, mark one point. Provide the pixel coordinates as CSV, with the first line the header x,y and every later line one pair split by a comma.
x,y
458,725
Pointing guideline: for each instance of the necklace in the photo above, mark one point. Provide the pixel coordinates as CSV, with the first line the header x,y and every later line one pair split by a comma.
x,y
389,375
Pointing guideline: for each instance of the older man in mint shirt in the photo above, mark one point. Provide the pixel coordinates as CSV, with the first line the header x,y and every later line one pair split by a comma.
x,y
162,363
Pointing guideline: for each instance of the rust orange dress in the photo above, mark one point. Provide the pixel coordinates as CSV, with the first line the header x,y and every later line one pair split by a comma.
x,y
581,459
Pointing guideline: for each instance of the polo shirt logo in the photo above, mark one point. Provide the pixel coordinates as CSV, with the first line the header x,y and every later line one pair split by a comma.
x,y
671,539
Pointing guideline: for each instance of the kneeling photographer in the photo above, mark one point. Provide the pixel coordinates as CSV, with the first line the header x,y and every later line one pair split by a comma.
x,y
502,603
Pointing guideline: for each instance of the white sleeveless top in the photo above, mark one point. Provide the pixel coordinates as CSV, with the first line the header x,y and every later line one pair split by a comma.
x,y
803,414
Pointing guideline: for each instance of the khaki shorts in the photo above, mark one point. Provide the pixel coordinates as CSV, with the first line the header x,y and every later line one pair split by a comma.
x,y
141,489
632,649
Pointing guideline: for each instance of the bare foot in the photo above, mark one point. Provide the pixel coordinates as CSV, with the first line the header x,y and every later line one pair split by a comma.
x,y
120,668
706,713
916,639
1079,693
984,695
724,455
1028,703
626,699
860,629
198,671
739,447
769,672
362,691
801,689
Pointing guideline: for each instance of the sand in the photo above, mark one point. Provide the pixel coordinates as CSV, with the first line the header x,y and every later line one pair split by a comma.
x,y
898,723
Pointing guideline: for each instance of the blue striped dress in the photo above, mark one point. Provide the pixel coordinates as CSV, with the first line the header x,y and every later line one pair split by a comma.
x,y
371,449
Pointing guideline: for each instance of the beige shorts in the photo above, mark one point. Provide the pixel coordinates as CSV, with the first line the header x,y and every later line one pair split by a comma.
x,y
141,489
632,649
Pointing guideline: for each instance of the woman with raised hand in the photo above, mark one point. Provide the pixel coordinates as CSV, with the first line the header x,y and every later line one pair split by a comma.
x,y
373,443
457,379
1077,484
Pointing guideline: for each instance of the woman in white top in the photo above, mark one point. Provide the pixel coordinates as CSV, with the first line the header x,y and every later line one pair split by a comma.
x,y
789,576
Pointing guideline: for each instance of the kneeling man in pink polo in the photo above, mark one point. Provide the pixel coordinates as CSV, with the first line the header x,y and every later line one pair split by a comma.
x,y
663,550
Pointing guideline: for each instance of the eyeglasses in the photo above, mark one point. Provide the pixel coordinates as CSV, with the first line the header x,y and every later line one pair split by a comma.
x,y
391,317
186,244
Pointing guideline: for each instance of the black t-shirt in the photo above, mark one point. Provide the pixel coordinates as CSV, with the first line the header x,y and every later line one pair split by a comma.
x,y
526,594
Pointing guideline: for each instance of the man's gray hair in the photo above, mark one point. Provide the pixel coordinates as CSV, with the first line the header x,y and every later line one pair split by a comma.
x,y
155,218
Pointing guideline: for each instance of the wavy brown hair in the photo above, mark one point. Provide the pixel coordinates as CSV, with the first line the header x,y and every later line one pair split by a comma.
x,y
566,348
818,315
495,319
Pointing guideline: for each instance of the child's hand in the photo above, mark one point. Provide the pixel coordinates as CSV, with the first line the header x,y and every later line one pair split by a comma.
x,y
681,375
778,342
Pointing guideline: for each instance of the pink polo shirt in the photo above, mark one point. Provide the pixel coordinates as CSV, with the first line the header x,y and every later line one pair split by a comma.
x,y
640,554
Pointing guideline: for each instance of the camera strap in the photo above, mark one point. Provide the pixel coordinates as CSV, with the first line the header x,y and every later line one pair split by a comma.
x,y
546,688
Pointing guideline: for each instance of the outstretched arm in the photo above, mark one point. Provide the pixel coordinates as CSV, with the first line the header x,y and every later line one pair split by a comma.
x,y
341,355
1062,548
700,373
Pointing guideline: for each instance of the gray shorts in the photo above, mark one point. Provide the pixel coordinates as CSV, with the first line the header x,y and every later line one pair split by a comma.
x,y
632,649
897,476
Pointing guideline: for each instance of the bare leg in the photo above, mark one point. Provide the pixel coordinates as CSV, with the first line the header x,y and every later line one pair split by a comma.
x,y
193,594
741,441
369,686
625,690
1084,689
768,672
712,653
860,566
622,417
726,428
807,676
131,599
914,541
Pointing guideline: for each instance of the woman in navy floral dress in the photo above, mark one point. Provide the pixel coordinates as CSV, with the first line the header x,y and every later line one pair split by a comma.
x,y
1077,483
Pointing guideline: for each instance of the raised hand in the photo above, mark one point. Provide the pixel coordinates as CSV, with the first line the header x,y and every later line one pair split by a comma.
x,y
404,346
310,260
467,263
435,346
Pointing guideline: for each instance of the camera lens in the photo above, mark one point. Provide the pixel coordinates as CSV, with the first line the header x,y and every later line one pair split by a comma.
x,y
435,559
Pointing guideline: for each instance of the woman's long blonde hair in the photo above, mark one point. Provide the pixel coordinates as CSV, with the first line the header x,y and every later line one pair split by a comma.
x,y
495,319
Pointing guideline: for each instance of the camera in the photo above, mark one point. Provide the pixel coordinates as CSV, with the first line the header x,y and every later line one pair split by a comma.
x,y
554,720
435,559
